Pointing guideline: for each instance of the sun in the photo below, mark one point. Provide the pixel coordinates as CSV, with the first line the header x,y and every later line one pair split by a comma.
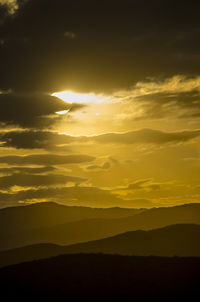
x,y
73,97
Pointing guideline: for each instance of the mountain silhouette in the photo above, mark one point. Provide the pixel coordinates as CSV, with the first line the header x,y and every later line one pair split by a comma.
x,y
17,222
26,228
97,277
175,240
47,214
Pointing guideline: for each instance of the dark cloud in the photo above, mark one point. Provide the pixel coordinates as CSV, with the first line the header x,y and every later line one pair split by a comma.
x,y
113,38
46,159
159,105
27,180
30,139
32,110
91,194
46,139
26,170
147,136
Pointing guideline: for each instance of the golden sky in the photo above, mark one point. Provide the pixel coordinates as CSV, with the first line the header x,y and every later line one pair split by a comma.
x,y
98,114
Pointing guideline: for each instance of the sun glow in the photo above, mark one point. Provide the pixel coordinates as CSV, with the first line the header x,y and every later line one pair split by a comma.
x,y
62,112
72,97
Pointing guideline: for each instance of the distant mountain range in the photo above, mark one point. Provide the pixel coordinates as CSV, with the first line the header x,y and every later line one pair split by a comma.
x,y
48,214
97,277
62,225
175,240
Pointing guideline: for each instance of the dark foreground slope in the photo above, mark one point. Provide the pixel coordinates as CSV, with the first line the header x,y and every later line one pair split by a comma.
x,y
100,277
176,240
93,229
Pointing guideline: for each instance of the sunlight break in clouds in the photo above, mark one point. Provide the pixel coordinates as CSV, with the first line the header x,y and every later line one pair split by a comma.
x,y
72,97
175,84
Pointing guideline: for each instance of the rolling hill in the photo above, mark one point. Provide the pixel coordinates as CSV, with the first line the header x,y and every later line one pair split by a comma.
x,y
175,240
46,214
87,229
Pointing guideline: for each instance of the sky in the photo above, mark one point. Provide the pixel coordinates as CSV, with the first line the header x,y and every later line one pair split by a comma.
x,y
99,102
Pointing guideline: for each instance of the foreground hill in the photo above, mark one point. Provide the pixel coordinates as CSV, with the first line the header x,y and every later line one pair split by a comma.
x,y
93,229
102,277
176,240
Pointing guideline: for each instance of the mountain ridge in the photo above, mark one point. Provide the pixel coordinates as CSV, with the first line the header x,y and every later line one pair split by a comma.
x,y
38,227
170,241
97,277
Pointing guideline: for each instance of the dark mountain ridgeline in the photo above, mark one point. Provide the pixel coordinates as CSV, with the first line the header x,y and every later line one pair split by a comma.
x,y
95,277
175,240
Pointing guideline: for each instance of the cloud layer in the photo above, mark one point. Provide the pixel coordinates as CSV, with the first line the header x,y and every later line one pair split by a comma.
x,y
138,145
136,39
45,139
46,159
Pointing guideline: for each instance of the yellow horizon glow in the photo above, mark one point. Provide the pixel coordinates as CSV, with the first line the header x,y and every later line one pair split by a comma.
x,y
73,97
